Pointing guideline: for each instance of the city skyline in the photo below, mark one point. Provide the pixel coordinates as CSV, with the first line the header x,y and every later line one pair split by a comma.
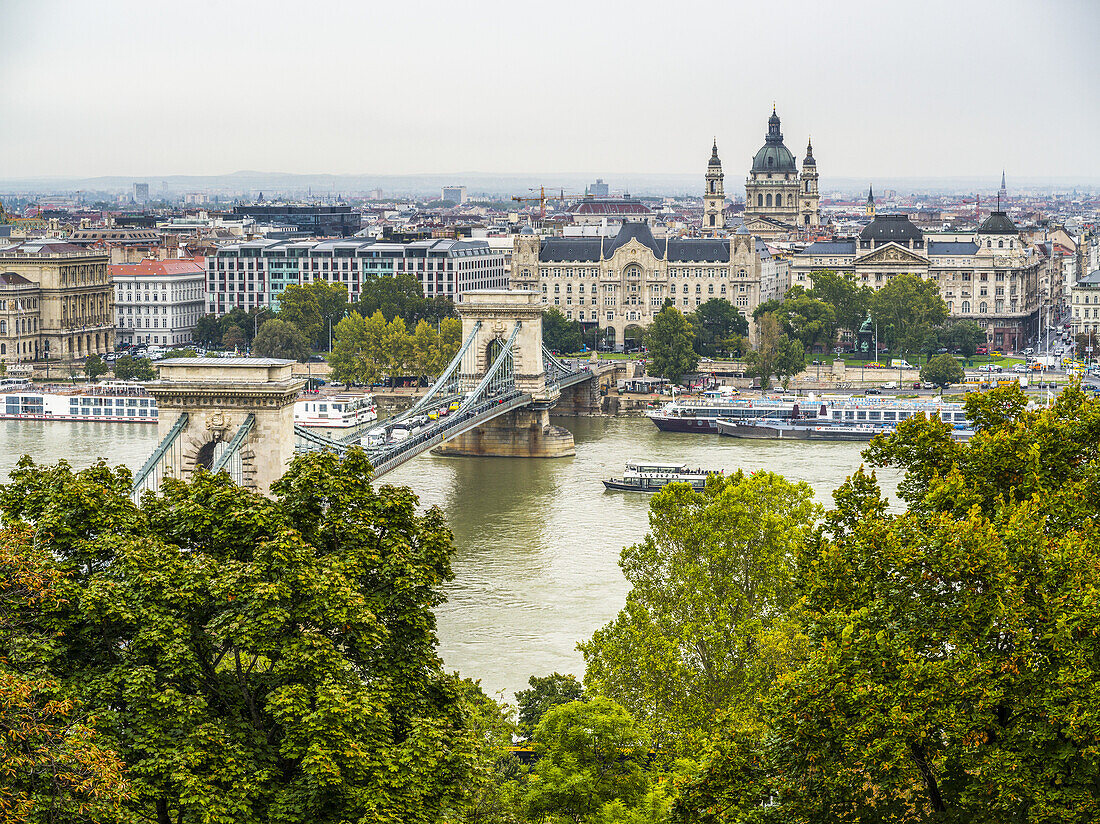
x,y
138,90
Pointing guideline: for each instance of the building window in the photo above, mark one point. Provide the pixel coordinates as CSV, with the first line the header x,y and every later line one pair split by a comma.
x,y
983,307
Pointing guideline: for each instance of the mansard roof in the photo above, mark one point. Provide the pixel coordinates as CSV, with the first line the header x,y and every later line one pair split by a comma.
x,y
632,231
697,250
555,249
886,228
831,247
952,247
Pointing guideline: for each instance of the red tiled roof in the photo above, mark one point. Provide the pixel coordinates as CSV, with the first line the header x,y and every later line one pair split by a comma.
x,y
147,268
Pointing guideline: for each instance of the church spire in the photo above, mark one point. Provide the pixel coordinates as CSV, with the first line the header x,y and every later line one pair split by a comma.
x,y
870,208
809,161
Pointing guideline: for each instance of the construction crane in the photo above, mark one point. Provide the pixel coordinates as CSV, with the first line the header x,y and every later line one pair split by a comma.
x,y
543,197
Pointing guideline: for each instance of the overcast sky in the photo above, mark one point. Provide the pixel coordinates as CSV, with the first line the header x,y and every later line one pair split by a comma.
x,y
887,89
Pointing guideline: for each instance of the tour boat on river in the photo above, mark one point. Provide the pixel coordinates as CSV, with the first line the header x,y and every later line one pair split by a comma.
x,y
111,401
848,419
702,415
648,476
334,411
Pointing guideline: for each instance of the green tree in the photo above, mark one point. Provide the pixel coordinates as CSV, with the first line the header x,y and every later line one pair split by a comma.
x,y
546,692
942,370
718,327
811,321
233,338
55,764
669,345
399,296
775,353
424,347
181,353
591,754
850,301
208,331
954,647
396,347
962,335
279,339
94,367
709,584
332,305
359,349
128,368
559,333
254,659
298,305
906,309
450,341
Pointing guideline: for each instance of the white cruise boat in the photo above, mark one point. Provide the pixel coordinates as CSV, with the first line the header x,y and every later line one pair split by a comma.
x,y
334,411
650,476
111,401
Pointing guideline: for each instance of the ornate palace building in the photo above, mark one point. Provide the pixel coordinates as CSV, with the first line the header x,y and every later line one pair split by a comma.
x,y
57,302
779,200
989,276
623,281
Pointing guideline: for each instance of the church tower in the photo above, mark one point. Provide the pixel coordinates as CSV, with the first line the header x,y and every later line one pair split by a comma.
x,y
714,197
809,199
870,210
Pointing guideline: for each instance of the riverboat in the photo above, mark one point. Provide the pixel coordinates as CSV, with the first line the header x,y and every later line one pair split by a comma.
x,y
702,415
848,419
334,411
647,476
111,401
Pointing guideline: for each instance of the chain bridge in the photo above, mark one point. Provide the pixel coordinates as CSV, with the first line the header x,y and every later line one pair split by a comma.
x,y
492,399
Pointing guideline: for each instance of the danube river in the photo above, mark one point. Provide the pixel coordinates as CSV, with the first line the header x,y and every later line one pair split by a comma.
x,y
537,541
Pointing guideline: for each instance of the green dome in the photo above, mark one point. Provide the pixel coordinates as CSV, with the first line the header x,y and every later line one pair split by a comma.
x,y
773,155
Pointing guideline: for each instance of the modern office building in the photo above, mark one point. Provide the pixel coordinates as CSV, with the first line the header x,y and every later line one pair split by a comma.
x,y
63,301
455,194
252,274
317,221
623,281
159,301
141,193
989,275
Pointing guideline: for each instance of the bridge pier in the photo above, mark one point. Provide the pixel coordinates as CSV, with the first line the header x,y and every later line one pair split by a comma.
x,y
579,400
522,433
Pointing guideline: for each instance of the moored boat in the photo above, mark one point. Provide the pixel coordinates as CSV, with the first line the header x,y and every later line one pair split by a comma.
x,y
702,415
650,476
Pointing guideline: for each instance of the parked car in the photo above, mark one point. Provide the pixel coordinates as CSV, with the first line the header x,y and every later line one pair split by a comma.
x,y
982,350
990,367
872,391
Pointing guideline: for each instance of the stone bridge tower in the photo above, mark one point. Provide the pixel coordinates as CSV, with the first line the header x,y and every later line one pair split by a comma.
x,y
221,396
525,432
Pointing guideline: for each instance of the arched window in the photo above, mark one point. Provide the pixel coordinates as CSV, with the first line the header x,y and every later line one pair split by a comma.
x,y
759,200
1000,244
3,349
790,201
983,307
769,161
807,187
3,327
769,200
988,243
966,307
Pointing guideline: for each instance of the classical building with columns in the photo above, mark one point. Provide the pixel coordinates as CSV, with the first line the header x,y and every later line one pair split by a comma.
x,y
70,290
989,276
620,282
779,200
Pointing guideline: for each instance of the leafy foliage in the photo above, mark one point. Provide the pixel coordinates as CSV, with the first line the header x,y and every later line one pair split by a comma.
x,y
775,353
54,765
128,368
94,367
546,692
954,647
402,296
942,370
907,309
254,660
279,339
719,328
841,291
709,584
559,333
669,344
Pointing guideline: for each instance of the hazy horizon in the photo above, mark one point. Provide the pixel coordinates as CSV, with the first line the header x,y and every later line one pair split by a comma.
x,y
890,92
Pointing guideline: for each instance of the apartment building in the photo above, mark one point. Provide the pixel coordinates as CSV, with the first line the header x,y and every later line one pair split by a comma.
x,y
989,276
159,301
252,274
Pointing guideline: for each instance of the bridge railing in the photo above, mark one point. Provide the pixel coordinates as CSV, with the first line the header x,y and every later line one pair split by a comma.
x,y
230,458
165,457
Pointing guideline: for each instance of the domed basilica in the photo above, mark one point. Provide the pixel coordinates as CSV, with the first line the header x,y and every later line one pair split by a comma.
x,y
778,200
